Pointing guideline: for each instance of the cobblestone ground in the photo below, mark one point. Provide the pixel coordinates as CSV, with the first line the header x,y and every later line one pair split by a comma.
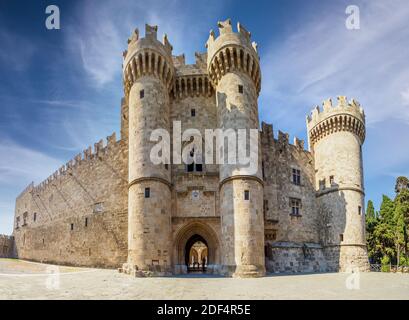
x,y
27,280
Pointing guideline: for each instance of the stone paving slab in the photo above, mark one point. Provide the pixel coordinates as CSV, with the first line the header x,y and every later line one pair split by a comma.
x,y
30,281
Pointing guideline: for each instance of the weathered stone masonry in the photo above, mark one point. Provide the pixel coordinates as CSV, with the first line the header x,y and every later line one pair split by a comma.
x,y
302,211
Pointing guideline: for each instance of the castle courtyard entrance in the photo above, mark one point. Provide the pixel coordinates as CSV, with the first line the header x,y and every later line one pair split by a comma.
x,y
196,254
196,249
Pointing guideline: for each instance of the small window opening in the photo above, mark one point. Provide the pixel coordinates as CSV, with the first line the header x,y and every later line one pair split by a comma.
x,y
246,195
296,177
147,192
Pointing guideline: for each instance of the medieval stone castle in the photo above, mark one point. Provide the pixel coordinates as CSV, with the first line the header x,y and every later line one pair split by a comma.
x,y
302,211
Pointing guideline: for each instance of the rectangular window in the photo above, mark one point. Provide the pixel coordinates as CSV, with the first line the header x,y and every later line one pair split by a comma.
x,y
296,177
295,205
193,112
341,237
166,166
147,192
359,210
246,195
331,180
142,94
190,167
98,207
72,226
86,222
240,88
199,167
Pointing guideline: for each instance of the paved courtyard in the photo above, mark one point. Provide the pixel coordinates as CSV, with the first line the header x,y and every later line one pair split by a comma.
x,y
27,280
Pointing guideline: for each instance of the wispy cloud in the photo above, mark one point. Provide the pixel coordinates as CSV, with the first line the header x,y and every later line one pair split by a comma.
x,y
100,36
16,51
20,165
324,58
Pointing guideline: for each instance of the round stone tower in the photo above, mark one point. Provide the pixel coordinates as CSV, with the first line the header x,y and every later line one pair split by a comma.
x,y
336,135
148,74
233,68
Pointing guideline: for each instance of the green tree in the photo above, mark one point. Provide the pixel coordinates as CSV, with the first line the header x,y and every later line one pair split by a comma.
x,y
370,210
386,212
402,183
402,223
387,231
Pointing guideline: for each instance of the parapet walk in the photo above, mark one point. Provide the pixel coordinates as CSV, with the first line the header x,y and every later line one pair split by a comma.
x,y
88,154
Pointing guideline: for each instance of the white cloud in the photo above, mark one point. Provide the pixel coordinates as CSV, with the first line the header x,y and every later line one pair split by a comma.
x,y
405,97
101,35
20,165
324,59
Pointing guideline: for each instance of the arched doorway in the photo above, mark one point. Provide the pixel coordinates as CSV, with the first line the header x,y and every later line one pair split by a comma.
x,y
201,238
196,254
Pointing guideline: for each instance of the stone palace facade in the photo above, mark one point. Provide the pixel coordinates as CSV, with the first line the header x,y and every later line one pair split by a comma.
x,y
301,211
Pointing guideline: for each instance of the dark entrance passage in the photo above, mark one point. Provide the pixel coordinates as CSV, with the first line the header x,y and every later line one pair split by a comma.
x,y
196,254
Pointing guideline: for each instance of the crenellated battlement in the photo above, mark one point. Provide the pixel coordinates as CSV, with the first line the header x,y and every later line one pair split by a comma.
x,y
147,56
80,159
344,116
283,138
232,51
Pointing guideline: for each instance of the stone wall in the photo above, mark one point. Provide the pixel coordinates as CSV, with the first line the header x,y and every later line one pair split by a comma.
x,y
290,257
79,215
279,159
6,246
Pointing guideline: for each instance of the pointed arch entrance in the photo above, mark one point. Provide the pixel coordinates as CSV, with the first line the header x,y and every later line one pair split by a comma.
x,y
197,241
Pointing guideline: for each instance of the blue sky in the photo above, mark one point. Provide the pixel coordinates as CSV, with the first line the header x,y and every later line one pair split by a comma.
x,y
60,90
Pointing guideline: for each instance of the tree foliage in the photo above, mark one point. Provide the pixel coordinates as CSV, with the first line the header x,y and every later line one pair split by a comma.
x,y
387,230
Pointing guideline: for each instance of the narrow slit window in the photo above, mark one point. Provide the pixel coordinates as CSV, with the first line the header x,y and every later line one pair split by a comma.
x,y
193,112
142,94
341,237
86,222
246,195
147,192
359,210
72,226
